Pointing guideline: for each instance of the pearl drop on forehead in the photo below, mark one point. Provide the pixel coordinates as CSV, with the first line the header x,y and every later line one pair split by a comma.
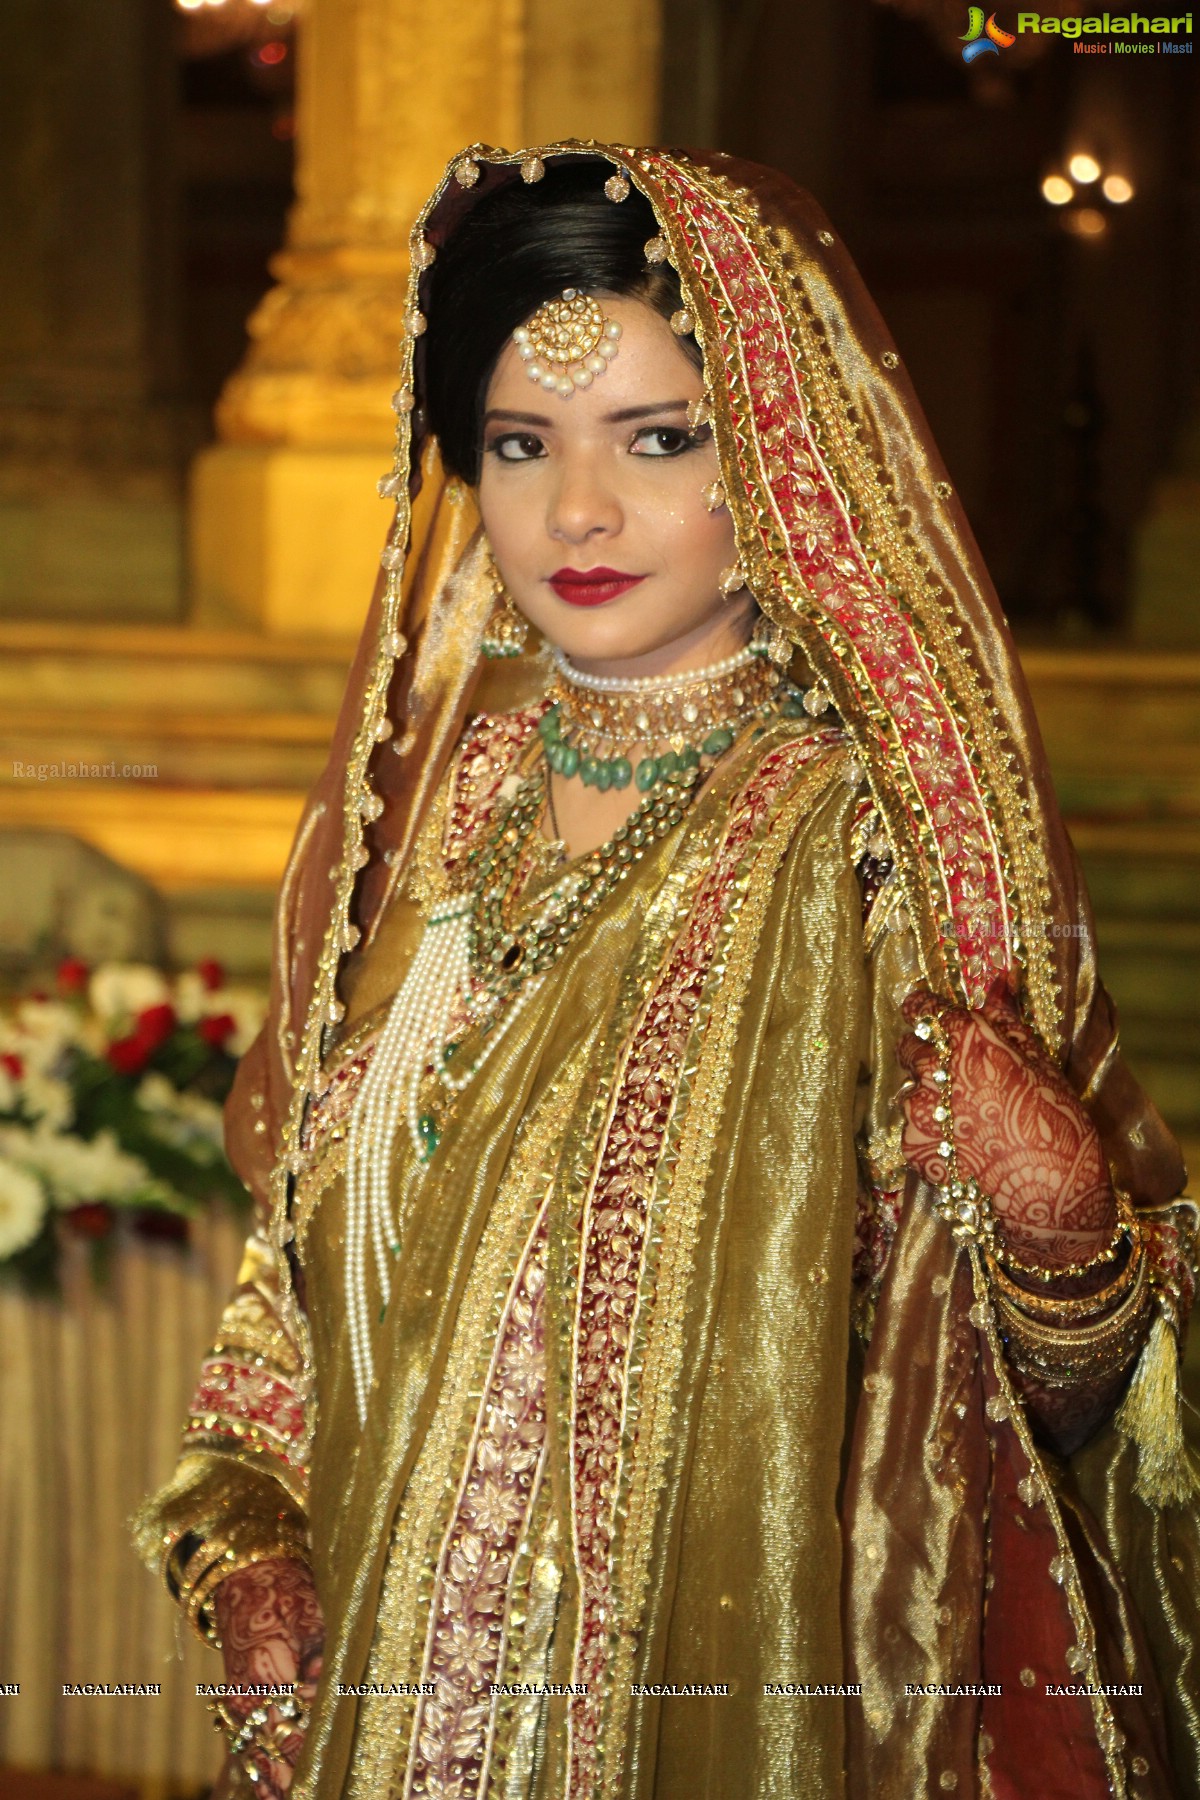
x,y
567,343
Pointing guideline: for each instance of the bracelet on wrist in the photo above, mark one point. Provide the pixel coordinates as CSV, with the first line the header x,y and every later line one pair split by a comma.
x,y
257,1731
1124,1230
1074,1309
218,1564
1066,1354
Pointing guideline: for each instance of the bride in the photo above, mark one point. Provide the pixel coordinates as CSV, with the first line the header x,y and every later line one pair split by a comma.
x,y
713,1323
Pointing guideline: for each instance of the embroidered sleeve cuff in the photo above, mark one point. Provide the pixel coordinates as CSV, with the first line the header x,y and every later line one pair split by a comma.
x,y
216,1516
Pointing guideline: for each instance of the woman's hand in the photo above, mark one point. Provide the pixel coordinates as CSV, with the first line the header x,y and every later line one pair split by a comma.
x,y
1019,1129
271,1628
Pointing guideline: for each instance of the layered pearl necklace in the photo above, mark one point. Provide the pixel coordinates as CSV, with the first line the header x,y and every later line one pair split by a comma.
x,y
483,956
597,724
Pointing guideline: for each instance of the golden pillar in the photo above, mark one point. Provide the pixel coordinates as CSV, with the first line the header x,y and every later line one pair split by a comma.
x,y
286,523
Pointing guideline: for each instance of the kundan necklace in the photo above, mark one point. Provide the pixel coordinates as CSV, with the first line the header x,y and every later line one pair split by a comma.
x,y
481,959
488,945
598,724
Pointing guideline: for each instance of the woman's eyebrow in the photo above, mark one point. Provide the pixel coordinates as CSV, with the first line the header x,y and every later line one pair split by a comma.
x,y
517,418
624,416
628,413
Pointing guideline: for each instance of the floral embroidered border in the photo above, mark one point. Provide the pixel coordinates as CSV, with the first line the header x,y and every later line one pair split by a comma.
x,y
464,1650
805,519
614,1241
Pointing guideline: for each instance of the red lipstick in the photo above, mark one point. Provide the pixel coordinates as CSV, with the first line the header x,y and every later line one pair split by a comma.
x,y
591,587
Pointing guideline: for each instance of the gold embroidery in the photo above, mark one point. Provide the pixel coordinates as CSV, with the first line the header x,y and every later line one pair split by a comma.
x,y
385,1727
657,1349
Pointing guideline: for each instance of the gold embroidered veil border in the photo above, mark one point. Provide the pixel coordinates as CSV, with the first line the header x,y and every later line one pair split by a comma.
x,y
854,542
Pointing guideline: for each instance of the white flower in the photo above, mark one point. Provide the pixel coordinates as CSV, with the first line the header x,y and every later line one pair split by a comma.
x,y
182,1117
190,997
44,1030
22,1208
248,1006
74,1170
43,1097
122,990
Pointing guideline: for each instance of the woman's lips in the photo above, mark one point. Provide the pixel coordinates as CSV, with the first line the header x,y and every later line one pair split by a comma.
x,y
591,587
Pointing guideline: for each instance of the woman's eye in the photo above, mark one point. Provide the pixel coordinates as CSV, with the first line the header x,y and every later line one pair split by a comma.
x,y
517,446
662,440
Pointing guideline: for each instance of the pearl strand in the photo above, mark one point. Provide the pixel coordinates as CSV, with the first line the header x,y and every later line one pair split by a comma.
x,y
649,684
457,1083
413,1035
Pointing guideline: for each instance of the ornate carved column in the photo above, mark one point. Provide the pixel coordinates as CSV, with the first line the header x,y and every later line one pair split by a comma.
x,y
286,525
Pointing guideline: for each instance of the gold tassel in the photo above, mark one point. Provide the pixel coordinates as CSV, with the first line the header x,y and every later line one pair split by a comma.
x,y
1151,1416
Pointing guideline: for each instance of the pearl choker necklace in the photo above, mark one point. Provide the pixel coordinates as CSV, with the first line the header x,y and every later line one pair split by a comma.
x,y
650,684
597,723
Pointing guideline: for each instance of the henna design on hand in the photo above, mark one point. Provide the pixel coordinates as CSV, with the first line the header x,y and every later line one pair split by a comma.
x,y
1020,1130
272,1631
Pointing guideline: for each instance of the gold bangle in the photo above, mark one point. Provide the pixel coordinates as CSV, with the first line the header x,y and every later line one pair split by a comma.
x,y
196,1603
1063,1310
1125,1227
1068,1356
1056,1367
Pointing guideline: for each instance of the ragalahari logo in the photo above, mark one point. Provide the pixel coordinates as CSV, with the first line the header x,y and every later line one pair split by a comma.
x,y
983,36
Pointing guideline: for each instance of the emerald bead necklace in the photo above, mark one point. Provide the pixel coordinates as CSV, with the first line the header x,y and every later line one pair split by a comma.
x,y
611,731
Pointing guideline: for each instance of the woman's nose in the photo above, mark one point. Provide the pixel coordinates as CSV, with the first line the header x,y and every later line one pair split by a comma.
x,y
583,506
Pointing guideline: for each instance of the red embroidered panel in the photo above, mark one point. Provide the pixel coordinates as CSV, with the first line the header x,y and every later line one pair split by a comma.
x,y
614,1238
780,457
468,1616
238,1405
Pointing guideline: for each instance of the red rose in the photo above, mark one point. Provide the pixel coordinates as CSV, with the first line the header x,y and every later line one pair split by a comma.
x,y
73,975
153,1027
12,1064
211,974
216,1028
128,1054
92,1220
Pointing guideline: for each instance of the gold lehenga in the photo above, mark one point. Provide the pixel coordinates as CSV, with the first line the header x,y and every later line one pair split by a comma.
x,y
679,1383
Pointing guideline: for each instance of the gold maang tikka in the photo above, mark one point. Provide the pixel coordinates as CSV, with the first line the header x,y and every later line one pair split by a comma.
x,y
567,343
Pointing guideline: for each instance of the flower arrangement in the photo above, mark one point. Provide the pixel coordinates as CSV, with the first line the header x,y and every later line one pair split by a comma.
x,y
111,1090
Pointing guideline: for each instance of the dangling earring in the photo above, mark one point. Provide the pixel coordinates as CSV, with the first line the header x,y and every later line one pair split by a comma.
x,y
506,631
772,641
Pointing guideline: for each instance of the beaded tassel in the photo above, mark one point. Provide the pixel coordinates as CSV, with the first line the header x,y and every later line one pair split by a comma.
x,y
413,1037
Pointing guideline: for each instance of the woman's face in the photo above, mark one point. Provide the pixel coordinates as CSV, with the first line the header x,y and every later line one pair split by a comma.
x,y
612,480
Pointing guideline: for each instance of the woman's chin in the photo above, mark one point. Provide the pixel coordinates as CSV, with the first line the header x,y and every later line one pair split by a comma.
x,y
595,637
588,637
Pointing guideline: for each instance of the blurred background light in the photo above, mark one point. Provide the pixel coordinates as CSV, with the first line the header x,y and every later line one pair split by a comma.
x,y
1057,190
1083,167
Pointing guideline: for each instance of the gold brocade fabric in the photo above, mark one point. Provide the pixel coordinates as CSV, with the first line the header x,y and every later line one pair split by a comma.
x,y
760,1303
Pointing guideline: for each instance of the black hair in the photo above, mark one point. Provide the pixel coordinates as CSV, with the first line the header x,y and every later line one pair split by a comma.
x,y
519,246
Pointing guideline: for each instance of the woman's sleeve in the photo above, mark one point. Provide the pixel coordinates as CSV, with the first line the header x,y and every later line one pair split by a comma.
x,y
238,1495
1070,1345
